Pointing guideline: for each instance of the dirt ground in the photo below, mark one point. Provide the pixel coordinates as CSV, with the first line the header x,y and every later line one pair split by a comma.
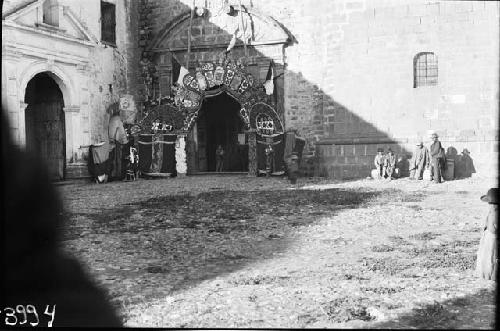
x,y
240,252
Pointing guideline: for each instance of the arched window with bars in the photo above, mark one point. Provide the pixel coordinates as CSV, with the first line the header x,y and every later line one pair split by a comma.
x,y
425,69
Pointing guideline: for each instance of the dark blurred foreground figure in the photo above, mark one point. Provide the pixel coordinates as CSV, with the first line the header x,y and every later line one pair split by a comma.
x,y
33,268
487,254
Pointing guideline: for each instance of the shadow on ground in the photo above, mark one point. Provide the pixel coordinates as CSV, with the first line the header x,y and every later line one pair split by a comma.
x,y
170,243
457,313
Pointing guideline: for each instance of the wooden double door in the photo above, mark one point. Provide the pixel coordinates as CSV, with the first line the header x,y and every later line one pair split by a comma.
x,y
45,127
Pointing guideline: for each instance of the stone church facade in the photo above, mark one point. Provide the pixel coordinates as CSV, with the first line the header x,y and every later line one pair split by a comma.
x,y
350,76
58,62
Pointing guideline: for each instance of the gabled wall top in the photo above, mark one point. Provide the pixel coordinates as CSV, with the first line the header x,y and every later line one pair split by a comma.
x,y
29,15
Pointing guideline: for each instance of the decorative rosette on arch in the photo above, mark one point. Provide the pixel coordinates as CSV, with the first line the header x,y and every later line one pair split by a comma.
x,y
213,78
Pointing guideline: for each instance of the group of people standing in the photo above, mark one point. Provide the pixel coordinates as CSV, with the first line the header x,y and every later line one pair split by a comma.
x,y
385,164
433,159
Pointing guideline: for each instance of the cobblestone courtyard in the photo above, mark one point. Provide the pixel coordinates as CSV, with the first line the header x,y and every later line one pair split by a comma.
x,y
254,252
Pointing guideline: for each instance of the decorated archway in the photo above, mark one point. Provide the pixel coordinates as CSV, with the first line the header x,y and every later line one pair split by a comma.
x,y
208,71
215,78
177,115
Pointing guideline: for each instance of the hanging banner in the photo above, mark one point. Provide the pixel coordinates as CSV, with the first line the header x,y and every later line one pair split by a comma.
x,y
128,110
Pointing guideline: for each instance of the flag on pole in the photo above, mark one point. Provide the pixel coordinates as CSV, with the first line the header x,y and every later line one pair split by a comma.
x,y
269,83
178,71
183,72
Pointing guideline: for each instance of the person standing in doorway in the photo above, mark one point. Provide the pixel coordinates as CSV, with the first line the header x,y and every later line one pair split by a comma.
x,y
269,159
219,158
436,154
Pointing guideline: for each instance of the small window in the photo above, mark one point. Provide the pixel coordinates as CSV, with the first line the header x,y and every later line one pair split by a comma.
x,y
51,12
425,69
108,23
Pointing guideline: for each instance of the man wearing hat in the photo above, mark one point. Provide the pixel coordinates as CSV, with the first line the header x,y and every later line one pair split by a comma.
x,y
487,262
436,156
389,164
118,142
379,163
418,161
467,163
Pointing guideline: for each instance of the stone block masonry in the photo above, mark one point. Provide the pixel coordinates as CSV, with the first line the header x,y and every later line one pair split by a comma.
x,y
91,73
348,83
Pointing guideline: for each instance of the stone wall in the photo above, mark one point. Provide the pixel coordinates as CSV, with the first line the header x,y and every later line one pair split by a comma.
x,y
348,76
156,15
8,6
91,75
107,71
354,59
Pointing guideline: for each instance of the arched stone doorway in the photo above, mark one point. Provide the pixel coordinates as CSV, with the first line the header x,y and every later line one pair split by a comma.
x,y
226,85
219,123
45,123
240,74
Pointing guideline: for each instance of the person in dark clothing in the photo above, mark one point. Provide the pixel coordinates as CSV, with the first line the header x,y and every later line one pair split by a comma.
x,y
219,159
269,159
389,164
436,152
442,162
379,163
34,269
119,147
293,168
465,165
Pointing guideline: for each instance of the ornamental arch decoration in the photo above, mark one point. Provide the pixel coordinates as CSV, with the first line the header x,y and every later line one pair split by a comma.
x,y
213,79
179,113
223,75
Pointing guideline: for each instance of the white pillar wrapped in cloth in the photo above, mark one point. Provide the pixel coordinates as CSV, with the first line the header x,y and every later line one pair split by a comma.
x,y
180,155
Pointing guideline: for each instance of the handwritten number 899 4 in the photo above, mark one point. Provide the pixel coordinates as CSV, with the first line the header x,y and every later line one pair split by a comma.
x,y
19,316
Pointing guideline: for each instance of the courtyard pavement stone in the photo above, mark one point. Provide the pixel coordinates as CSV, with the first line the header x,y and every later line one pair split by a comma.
x,y
243,252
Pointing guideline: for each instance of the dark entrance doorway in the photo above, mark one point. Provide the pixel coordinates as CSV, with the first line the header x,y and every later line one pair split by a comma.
x,y
45,130
220,124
